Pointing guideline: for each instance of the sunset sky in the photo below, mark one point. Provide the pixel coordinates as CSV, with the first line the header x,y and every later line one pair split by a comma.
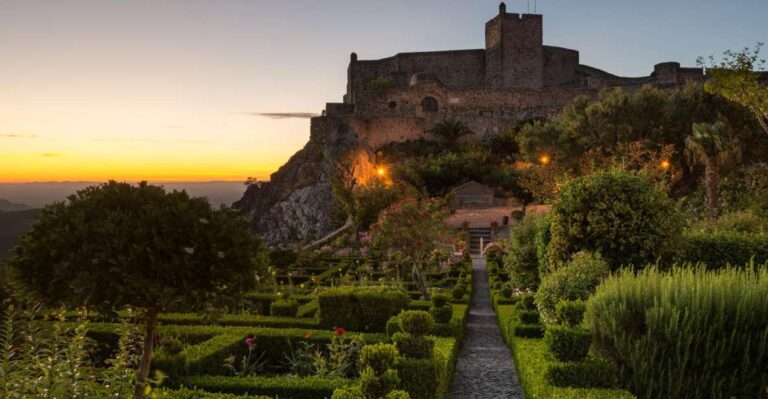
x,y
172,90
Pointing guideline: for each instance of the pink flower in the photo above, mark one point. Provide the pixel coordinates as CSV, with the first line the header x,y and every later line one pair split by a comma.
x,y
249,341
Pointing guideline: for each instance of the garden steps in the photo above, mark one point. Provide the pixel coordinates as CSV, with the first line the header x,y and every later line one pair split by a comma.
x,y
485,368
475,236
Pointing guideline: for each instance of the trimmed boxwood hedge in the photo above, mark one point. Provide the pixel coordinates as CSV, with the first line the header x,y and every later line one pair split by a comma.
x,y
185,393
360,308
532,359
719,249
283,387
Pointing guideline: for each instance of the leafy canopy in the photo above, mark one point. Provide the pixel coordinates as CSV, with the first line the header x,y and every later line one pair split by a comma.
x,y
115,245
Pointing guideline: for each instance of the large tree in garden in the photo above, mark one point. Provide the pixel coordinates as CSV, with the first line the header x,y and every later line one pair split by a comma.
x,y
116,245
413,228
711,145
736,78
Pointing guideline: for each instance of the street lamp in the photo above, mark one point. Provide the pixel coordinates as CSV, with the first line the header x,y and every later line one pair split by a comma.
x,y
544,159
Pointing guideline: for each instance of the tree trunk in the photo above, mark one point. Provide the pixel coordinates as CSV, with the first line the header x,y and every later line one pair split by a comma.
x,y
420,281
146,358
712,179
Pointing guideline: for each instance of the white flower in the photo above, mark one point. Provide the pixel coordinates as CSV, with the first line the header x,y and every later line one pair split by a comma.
x,y
220,254
203,220
189,250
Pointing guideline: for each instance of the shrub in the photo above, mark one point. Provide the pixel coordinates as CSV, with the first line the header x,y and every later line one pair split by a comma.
x,y
575,280
543,238
360,308
506,291
379,357
414,347
529,317
708,329
442,314
459,291
522,259
738,222
393,326
377,386
527,302
198,394
590,373
419,377
529,330
284,387
570,313
416,322
723,248
624,216
568,343
284,308
440,300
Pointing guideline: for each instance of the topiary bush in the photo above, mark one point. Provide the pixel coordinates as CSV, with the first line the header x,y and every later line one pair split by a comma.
x,y
624,216
573,281
413,347
689,332
419,377
529,331
568,344
458,292
284,308
360,308
416,322
521,259
529,317
591,373
442,314
570,313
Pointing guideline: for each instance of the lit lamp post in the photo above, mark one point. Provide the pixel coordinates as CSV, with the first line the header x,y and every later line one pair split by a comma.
x,y
665,165
381,171
544,159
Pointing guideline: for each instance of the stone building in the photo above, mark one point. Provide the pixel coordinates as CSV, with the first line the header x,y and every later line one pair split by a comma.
x,y
472,195
515,78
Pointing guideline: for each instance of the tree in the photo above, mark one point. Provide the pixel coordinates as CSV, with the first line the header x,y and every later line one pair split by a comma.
x,y
736,78
116,245
412,227
712,146
450,130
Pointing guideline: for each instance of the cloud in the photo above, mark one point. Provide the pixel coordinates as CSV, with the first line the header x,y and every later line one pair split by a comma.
x,y
51,155
147,140
18,136
283,115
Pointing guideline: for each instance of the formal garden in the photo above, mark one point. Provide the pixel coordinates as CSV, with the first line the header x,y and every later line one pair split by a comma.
x,y
646,277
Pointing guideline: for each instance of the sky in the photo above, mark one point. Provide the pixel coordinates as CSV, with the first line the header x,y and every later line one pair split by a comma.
x,y
174,90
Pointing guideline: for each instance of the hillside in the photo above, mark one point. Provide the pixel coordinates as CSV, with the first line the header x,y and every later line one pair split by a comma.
x,y
12,226
8,206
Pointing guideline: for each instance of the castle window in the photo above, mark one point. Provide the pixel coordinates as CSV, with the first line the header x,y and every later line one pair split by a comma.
x,y
429,104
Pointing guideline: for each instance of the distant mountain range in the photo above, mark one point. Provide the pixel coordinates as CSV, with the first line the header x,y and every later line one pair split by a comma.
x,y
20,202
37,195
8,206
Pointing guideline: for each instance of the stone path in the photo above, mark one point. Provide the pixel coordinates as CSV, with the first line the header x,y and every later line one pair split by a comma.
x,y
485,369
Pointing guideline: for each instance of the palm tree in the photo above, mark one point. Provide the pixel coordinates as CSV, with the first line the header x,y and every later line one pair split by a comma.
x,y
450,130
710,145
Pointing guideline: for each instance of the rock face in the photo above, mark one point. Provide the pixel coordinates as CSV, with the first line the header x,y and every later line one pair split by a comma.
x,y
298,203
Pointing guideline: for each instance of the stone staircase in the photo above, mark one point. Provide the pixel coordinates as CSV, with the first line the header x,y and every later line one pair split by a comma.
x,y
476,235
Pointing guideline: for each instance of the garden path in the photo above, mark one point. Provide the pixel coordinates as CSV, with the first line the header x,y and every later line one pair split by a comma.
x,y
485,369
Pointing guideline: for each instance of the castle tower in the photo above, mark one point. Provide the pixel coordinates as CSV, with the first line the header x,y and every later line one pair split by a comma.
x,y
514,50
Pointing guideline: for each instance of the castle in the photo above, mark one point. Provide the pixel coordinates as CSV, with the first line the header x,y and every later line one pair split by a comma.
x,y
514,79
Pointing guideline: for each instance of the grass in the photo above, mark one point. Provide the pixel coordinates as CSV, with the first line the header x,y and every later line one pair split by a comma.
x,y
532,360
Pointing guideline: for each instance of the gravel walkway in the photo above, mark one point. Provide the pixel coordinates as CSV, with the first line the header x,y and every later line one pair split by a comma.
x,y
485,369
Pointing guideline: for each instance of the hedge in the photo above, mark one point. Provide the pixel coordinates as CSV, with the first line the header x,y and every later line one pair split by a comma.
x,y
208,357
723,248
430,378
241,320
185,393
532,360
360,308
283,387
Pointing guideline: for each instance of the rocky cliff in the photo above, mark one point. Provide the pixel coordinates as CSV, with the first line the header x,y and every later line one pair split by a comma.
x,y
297,203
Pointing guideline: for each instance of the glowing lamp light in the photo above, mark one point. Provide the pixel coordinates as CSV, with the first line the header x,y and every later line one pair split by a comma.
x,y
665,165
544,159
381,171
